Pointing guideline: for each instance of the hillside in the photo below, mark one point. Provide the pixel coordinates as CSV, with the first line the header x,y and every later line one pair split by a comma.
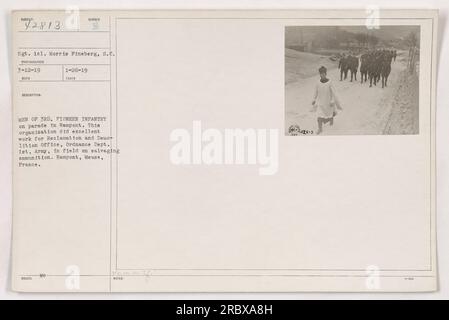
x,y
300,65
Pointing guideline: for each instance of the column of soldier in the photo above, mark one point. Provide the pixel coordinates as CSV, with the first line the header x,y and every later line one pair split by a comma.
x,y
375,66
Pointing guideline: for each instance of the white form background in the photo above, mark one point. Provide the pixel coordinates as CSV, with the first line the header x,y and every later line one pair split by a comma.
x,y
442,136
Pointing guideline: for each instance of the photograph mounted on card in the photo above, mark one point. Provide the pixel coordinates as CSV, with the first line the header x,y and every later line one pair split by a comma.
x,y
224,151
342,80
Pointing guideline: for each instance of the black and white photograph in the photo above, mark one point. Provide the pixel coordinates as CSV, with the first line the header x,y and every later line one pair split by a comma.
x,y
352,80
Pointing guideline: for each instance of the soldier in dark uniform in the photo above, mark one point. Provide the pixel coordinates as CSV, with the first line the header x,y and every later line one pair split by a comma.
x,y
343,65
353,66
364,63
386,67
374,68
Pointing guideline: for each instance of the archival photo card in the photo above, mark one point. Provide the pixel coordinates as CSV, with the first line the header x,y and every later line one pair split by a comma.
x,y
224,151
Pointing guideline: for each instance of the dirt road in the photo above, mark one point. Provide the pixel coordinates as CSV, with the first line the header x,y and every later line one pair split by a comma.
x,y
365,110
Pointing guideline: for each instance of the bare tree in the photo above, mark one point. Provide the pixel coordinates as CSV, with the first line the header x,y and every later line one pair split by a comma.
x,y
412,41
